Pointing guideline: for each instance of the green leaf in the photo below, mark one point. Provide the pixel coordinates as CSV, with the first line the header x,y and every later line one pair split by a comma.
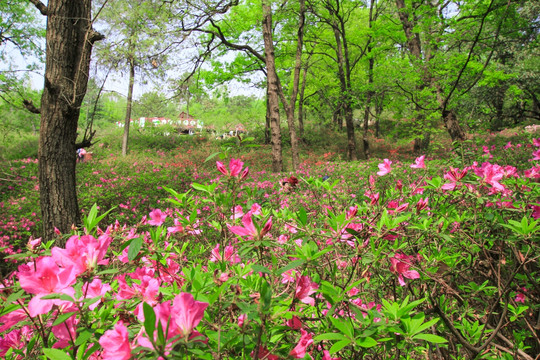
x,y
431,338
260,268
134,248
55,354
366,342
200,187
149,320
63,317
339,345
330,336
289,266
302,216
83,336
212,156
14,297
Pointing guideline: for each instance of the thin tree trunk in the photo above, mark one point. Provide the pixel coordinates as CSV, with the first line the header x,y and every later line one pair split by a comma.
x,y
273,88
415,49
301,105
127,120
69,46
267,122
346,98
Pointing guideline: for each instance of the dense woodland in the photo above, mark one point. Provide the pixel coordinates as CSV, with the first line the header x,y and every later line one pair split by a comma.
x,y
427,65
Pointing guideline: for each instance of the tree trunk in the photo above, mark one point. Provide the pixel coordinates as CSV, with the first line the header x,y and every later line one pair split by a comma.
x,y
452,125
127,121
267,123
301,105
273,88
69,42
346,96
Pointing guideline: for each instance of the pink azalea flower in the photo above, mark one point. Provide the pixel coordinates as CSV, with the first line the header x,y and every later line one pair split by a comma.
x,y
492,174
306,339
400,264
83,252
157,217
238,212
353,210
249,228
533,173
146,288
16,339
187,312
176,228
384,167
536,155
48,278
326,356
65,332
536,212
94,289
536,142
235,169
242,319
288,276
294,323
229,255
304,288
11,319
256,209
115,343
454,175
421,205
520,297
419,163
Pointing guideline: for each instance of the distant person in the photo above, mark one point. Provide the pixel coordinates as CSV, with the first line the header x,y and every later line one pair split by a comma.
x,y
80,155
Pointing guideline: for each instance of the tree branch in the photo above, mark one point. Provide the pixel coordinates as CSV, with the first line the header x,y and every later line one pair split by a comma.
x,y
40,6
29,105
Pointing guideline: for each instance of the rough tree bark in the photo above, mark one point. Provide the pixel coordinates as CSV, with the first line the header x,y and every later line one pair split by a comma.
x,y
273,88
69,43
290,105
415,49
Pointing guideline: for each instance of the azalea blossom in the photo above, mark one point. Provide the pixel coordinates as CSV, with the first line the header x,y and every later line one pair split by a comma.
x,y
454,175
419,163
249,228
82,252
116,343
299,351
235,169
157,217
384,167
179,318
47,278
400,264
304,288
229,255
187,312
421,205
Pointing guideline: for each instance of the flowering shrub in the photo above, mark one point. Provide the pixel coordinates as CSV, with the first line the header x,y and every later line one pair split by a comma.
x,y
377,260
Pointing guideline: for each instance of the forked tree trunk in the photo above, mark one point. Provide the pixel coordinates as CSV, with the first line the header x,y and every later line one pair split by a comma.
x,y
273,88
452,125
69,42
125,139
